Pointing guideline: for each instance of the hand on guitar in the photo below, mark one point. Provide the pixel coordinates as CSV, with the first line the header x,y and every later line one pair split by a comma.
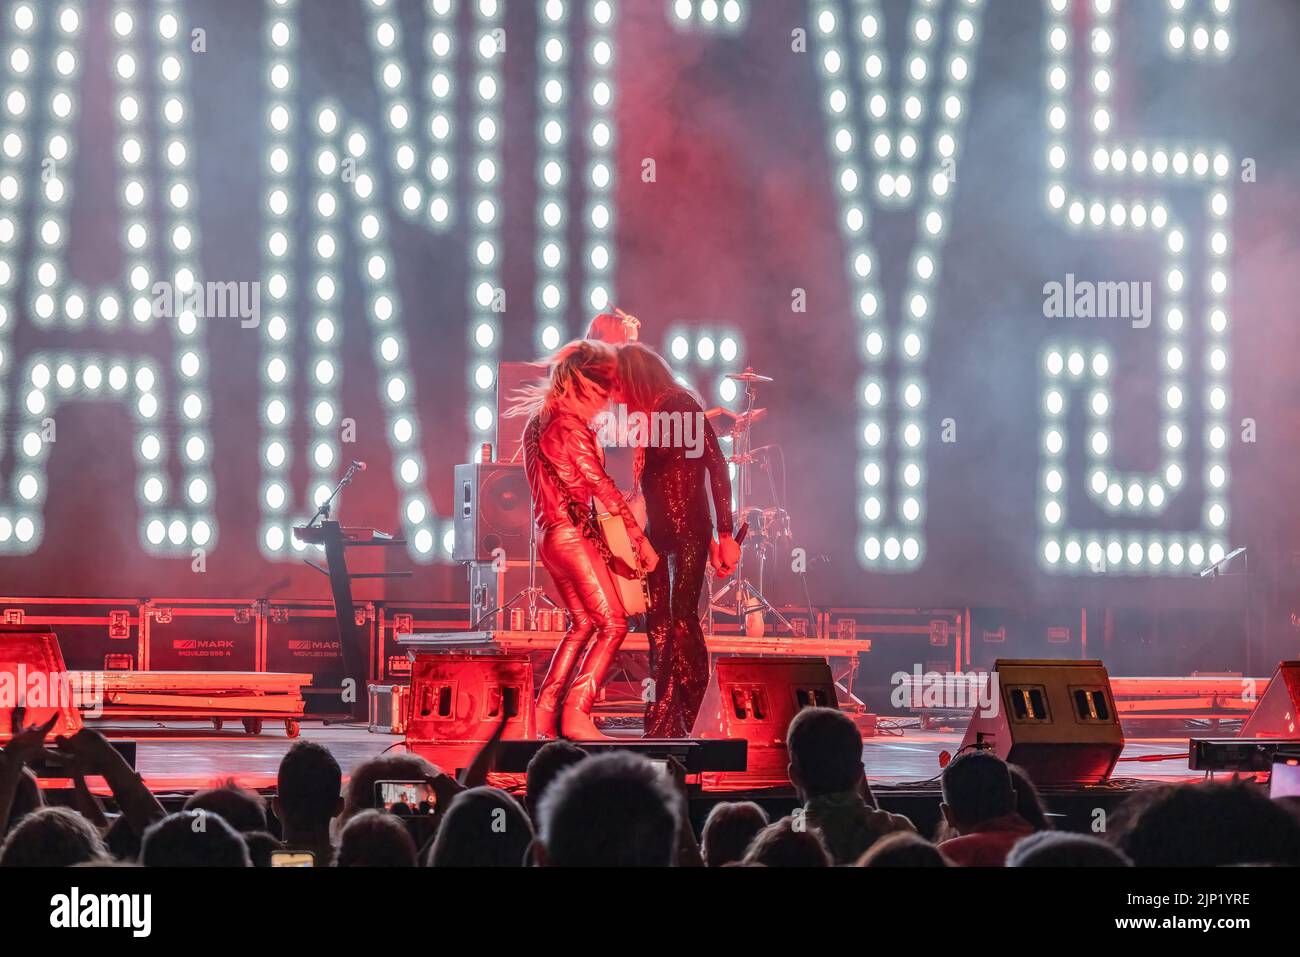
x,y
723,556
649,557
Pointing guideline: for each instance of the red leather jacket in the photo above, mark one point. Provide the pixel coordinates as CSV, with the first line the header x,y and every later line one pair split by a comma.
x,y
569,444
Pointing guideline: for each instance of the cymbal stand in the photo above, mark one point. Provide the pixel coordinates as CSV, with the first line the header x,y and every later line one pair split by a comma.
x,y
746,597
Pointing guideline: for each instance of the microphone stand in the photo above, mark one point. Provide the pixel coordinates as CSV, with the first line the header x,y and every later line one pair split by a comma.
x,y
323,513
331,537
531,592
1218,569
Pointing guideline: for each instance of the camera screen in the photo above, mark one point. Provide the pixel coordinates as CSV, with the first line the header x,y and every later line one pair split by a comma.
x,y
406,797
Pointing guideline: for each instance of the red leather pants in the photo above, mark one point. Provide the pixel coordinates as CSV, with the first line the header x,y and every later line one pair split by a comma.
x,y
597,625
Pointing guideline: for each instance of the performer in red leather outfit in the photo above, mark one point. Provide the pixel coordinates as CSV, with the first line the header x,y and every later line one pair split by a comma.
x,y
565,473
672,479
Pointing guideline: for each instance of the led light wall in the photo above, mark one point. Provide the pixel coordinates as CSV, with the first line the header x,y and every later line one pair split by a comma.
x,y
1119,191
894,150
160,285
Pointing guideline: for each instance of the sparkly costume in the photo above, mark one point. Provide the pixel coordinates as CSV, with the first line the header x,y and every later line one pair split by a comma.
x,y
597,623
680,529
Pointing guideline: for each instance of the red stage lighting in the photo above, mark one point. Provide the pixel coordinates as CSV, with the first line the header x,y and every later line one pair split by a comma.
x,y
457,701
1275,715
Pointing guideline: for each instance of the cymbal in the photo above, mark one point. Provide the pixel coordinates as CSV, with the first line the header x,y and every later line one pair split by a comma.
x,y
749,375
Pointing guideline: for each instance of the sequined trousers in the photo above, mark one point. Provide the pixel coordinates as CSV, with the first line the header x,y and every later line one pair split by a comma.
x,y
679,658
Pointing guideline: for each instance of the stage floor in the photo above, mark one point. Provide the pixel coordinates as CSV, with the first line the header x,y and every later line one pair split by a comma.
x,y
191,756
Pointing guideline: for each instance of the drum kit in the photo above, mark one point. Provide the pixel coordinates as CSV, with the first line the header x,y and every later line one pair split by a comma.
x,y
769,527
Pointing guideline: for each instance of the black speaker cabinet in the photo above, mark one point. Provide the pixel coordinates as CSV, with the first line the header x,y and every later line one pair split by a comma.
x,y
755,699
493,510
1056,719
511,376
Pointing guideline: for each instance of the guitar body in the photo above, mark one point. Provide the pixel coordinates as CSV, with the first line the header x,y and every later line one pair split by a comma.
x,y
632,591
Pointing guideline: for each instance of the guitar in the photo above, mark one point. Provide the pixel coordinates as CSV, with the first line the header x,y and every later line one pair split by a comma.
x,y
632,584
633,588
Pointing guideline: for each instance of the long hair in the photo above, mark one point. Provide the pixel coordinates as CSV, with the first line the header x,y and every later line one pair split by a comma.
x,y
646,377
572,371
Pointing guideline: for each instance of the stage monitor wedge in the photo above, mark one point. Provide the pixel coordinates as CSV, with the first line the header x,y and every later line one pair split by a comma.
x,y
457,700
1056,719
755,699
32,675
1274,716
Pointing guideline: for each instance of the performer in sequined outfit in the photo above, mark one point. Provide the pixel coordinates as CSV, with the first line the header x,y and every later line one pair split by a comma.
x,y
671,476
565,472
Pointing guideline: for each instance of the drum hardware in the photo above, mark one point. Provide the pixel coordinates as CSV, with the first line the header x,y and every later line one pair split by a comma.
x,y
735,422
742,596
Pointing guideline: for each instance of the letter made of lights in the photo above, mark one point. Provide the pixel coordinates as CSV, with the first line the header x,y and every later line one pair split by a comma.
x,y
900,153
42,58
1146,171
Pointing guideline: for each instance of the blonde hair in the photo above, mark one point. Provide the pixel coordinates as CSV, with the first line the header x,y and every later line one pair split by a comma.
x,y
646,377
575,370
